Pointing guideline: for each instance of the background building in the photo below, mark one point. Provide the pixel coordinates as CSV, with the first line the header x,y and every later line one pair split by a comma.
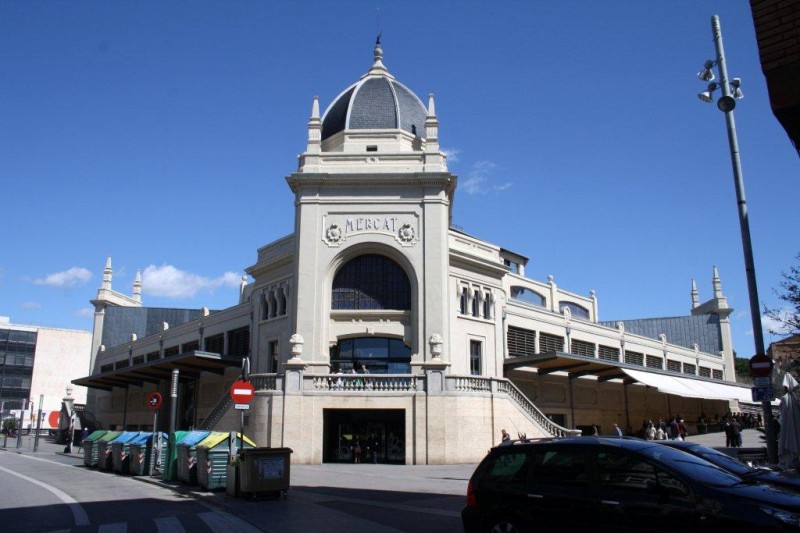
x,y
40,361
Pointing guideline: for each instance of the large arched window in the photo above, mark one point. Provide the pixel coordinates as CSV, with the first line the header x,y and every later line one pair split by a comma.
x,y
371,282
528,296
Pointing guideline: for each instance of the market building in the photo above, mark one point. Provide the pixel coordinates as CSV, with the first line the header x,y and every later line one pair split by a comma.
x,y
378,322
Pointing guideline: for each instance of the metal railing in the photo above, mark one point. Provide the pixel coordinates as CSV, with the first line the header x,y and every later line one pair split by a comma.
x,y
528,407
362,382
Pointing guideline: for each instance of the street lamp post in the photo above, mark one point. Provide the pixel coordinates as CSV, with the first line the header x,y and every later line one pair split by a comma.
x,y
726,103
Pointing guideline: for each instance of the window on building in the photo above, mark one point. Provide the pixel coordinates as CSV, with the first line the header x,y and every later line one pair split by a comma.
x,y
717,374
581,347
487,305
608,353
634,358
705,372
527,296
106,368
514,267
654,362
215,343
272,349
171,351
575,310
190,346
550,343
152,356
689,369
239,341
476,304
673,366
462,302
381,355
371,282
121,364
520,341
264,307
475,350
138,360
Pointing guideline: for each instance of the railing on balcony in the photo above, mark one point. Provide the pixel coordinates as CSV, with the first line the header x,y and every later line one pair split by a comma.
x,y
362,382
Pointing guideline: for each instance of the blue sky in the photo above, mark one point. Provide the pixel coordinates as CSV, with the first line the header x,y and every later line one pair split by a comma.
x,y
160,133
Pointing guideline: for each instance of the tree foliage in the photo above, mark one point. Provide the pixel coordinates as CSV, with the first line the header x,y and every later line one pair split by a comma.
x,y
787,317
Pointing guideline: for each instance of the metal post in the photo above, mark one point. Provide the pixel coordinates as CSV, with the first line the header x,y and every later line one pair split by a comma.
x,y
173,394
155,442
21,421
38,424
744,225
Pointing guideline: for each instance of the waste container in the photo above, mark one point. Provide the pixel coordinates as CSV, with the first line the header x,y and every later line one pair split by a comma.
x,y
169,472
89,445
213,455
264,471
104,449
120,451
187,456
143,454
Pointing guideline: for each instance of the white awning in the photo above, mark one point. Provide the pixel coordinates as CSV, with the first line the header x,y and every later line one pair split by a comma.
x,y
692,388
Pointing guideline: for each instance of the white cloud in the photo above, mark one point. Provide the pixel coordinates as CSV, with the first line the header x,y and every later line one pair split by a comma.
x,y
68,278
777,327
31,305
480,178
451,154
168,282
85,311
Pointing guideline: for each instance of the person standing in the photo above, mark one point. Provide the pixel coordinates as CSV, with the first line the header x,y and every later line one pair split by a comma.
x,y
736,433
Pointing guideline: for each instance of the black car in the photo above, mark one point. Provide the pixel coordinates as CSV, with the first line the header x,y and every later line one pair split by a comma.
x,y
787,480
617,484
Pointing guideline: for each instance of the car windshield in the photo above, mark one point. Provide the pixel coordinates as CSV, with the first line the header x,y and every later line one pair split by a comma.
x,y
722,460
695,468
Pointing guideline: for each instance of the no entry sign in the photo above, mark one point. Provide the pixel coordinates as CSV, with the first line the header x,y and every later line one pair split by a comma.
x,y
242,391
760,365
154,400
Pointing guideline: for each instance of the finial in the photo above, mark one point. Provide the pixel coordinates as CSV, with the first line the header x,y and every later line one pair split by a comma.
x,y
378,68
717,284
695,296
107,274
137,286
431,106
315,107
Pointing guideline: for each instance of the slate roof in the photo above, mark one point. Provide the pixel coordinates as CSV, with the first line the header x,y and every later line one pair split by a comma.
x,y
704,330
120,322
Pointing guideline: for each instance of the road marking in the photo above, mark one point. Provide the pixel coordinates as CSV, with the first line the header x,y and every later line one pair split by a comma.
x,y
78,513
219,521
169,524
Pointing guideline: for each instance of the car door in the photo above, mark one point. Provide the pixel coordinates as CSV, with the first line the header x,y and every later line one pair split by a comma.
x,y
640,495
561,488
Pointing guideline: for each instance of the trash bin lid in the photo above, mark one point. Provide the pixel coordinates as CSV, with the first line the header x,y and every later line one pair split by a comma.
x,y
193,437
94,435
214,439
111,435
142,437
125,437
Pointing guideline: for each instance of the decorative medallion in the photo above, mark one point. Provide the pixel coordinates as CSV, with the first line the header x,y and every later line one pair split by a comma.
x,y
406,233
334,233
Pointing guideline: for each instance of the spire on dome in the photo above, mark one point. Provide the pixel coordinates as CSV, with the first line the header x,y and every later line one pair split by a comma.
x,y
378,68
717,284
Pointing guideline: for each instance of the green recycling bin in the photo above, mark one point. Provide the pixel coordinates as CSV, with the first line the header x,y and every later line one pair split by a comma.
x,y
170,470
120,451
89,445
264,471
213,455
187,456
143,454
104,449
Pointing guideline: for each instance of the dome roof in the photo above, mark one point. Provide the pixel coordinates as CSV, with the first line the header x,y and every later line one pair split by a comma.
x,y
376,101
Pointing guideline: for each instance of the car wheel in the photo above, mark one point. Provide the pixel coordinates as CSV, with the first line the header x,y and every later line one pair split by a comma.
x,y
505,525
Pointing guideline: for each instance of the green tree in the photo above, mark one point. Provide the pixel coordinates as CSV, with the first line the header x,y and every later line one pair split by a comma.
x,y
742,367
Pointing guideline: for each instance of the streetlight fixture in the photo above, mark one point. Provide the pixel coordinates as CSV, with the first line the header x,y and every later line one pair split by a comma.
x,y
726,103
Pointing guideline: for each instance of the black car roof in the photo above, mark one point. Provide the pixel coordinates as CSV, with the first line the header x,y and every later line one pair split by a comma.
x,y
619,442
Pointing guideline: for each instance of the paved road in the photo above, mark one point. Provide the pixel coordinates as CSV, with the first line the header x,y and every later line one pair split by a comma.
x,y
64,495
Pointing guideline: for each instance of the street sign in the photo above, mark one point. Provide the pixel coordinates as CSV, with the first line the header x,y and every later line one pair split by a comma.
x,y
763,394
242,391
154,400
760,365
241,406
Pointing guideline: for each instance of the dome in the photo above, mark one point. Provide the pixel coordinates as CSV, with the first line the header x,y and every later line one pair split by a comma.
x,y
376,101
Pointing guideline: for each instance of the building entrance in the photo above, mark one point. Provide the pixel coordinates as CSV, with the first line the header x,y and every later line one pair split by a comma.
x,y
364,436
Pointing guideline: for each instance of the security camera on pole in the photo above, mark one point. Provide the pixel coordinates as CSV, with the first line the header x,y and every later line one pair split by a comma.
x,y
727,102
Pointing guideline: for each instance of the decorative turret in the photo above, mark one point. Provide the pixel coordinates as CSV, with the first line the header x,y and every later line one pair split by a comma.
x,y
107,275
695,295
137,287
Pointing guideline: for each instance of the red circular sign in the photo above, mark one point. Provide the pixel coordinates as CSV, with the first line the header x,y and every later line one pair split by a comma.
x,y
154,400
242,391
760,365
53,418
